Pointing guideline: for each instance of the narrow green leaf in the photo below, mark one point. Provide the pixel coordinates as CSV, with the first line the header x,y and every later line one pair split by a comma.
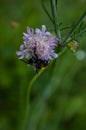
x,y
54,13
46,11
75,27
56,4
80,33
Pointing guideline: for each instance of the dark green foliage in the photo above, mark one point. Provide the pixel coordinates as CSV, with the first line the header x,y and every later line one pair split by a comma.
x,y
58,96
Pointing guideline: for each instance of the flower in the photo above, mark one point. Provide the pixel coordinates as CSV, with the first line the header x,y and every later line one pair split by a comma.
x,y
38,47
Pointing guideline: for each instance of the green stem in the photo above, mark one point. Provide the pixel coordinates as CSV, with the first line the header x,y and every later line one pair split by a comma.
x,y
42,2
67,27
56,3
25,125
74,28
79,34
54,14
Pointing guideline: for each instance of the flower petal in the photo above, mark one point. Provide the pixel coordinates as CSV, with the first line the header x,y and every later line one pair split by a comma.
x,y
55,55
28,30
18,53
43,28
38,31
21,57
48,33
21,47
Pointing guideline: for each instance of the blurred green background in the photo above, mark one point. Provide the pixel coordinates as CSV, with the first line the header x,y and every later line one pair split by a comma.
x,y
58,96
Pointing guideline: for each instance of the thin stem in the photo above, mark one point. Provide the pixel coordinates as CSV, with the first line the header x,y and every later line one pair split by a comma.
x,y
77,35
42,2
56,3
74,28
25,126
54,14
83,31
67,27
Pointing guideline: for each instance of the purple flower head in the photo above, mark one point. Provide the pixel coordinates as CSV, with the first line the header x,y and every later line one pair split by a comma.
x,y
38,47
